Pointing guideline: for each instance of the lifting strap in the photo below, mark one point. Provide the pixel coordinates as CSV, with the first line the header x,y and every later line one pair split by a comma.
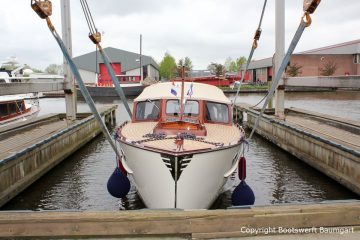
x,y
305,22
253,47
81,84
95,37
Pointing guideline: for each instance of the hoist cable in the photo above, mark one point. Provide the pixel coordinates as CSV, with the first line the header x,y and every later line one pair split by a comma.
x,y
253,47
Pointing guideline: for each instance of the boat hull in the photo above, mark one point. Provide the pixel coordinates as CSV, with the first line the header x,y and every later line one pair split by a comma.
x,y
129,90
186,181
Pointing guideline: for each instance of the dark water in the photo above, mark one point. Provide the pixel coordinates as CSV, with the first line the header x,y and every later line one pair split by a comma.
x,y
79,183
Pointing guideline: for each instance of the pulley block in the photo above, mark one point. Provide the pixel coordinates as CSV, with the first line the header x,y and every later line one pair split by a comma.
x,y
95,37
311,5
42,7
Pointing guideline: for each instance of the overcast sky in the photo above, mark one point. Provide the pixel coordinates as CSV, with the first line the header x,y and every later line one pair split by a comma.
x,y
204,30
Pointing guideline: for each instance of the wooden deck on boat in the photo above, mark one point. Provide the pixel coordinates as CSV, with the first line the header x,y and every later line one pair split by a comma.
x,y
216,134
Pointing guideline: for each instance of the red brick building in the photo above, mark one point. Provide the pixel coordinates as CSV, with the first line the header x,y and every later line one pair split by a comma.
x,y
341,59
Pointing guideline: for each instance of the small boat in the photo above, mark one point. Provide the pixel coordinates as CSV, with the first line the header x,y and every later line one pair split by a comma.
x,y
181,148
16,108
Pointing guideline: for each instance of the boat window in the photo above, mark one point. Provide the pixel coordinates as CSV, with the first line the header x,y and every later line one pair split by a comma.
x,y
173,107
12,108
191,108
149,110
217,112
19,106
3,110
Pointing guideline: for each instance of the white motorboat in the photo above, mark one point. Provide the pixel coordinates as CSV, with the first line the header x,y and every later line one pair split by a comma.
x,y
181,148
15,108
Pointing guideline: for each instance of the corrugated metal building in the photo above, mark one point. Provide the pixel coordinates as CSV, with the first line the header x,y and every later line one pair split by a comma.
x,y
126,66
344,57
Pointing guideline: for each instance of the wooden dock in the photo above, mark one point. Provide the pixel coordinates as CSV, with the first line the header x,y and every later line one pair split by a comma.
x,y
30,149
329,144
198,224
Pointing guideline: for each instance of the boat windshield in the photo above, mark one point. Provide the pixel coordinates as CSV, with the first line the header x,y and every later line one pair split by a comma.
x,y
191,108
148,110
217,112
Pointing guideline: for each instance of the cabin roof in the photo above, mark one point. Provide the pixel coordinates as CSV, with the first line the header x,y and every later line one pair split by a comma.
x,y
200,92
9,98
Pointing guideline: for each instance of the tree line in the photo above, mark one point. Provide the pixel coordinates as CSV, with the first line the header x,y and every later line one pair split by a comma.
x,y
170,69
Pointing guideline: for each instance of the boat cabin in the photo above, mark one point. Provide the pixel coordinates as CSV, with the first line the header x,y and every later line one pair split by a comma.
x,y
205,104
11,107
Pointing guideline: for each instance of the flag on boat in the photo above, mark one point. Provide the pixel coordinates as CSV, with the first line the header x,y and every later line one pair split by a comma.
x,y
173,89
190,91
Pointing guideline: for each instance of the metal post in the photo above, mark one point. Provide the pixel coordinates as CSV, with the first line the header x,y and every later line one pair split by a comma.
x,y
141,67
279,54
69,86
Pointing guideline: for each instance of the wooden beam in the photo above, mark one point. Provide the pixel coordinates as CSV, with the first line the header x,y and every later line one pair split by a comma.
x,y
214,223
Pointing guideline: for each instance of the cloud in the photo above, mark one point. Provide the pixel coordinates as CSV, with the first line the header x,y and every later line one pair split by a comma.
x,y
204,30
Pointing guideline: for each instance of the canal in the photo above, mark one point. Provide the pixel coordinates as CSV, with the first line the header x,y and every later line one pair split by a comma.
x,y
79,183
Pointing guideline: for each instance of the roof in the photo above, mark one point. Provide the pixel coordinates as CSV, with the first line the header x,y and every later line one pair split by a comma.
x,y
352,47
10,98
127,59
200,92
263,63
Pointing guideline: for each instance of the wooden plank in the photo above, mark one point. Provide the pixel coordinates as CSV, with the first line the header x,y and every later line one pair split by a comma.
x,y
27,138
332,133
172,223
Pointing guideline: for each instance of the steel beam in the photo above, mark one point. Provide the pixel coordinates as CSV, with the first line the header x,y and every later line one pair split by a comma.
x,y
70,91
279,54
21,88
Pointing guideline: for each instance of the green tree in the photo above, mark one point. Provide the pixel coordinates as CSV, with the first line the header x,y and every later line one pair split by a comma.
x,y
217,69
184,62
234,65
168,67
293,70
54,69
35,70
188,64
229,64
328,69
240,62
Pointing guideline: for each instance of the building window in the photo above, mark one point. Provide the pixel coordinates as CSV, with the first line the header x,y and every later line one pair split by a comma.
x,y
357,58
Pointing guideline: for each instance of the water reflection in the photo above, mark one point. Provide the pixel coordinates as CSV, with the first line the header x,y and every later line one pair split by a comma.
x,y
79,183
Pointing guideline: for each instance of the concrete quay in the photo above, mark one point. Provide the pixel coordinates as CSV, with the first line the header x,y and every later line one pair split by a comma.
x,y
30,149
327,143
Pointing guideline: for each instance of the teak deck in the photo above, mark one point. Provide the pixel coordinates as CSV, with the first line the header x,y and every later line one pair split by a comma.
x,y
216,133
